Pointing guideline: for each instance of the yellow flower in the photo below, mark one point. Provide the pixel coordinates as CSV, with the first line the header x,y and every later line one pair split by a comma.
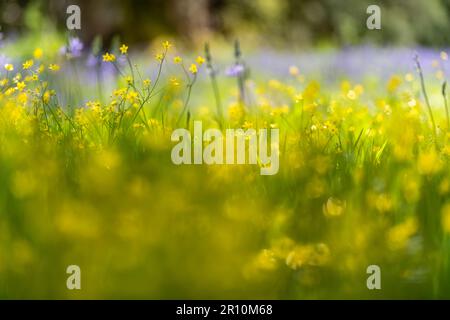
x,y
265,260
409,77
109,57
27,64
334,207
119,92
444,186
22,98
193,68
132,96
46,97
159,57
123,49
147,82
298,98
359,89
294,71
412,103
200,60
381,202
429,163
174,82
177,60
93,104
309,254
10,91
166,45
444,55
53,67
21,85
129,79
247,125
351,94
399,235
394,82
37,53
9,67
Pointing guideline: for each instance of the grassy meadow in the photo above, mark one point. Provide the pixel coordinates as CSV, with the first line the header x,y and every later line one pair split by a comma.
x,y
86,176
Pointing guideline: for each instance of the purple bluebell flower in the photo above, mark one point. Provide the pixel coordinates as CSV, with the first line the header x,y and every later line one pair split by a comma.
x,y
122,60
93,61
3,60
74,49
235,71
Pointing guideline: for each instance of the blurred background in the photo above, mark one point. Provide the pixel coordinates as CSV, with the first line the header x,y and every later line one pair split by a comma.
x,y
278,23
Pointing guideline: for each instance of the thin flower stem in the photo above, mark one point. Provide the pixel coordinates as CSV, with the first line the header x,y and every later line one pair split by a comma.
x,y
215,87
427,101
188,97
444,95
